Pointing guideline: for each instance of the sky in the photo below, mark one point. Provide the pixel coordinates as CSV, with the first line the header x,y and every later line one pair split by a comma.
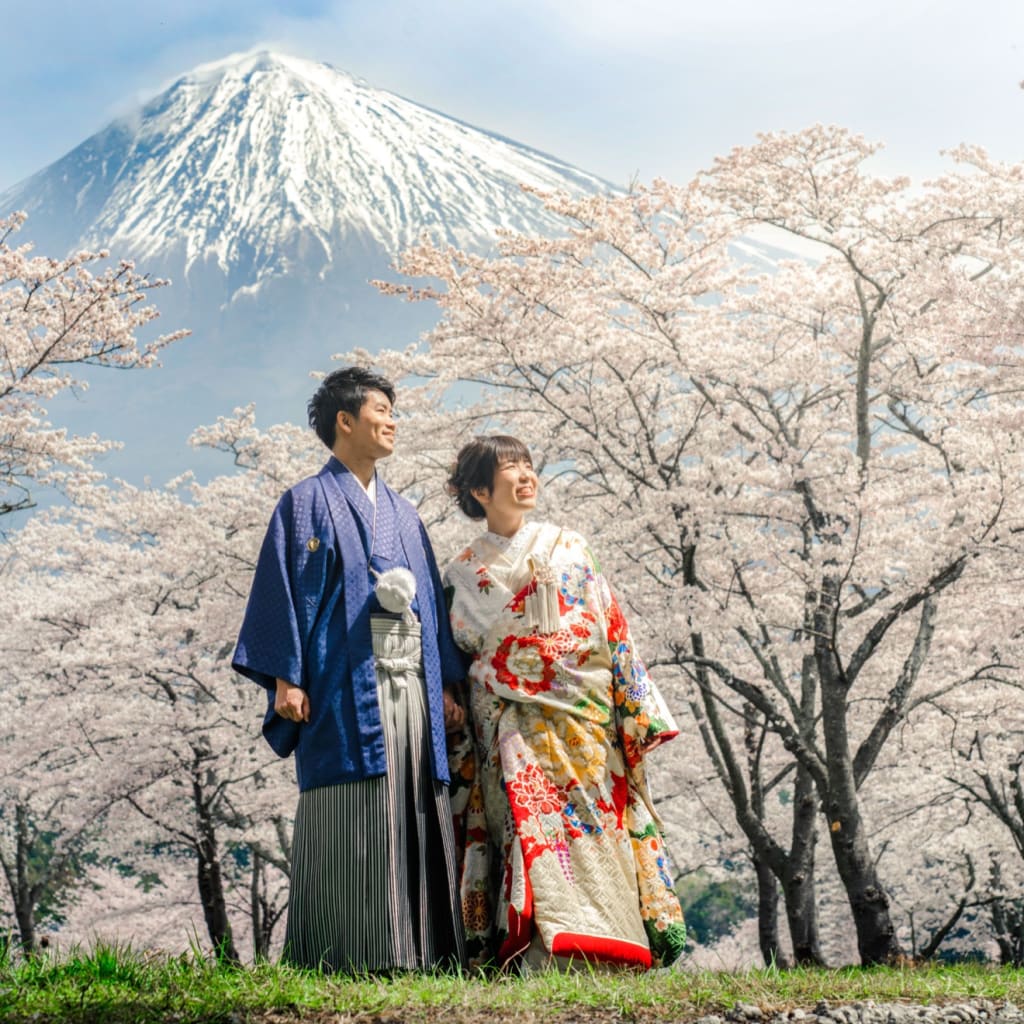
x,y
626,89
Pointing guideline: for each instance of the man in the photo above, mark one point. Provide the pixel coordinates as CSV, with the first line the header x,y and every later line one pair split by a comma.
x,y
347,630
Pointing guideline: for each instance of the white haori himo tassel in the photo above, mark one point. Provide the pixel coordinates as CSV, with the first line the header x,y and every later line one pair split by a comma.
x,y
395,590
541,607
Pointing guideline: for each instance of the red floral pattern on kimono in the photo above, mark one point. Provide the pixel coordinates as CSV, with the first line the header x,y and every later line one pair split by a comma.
x,y
550,792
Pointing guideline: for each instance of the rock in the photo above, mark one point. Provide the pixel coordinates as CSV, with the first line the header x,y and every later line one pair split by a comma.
x,y
744,1012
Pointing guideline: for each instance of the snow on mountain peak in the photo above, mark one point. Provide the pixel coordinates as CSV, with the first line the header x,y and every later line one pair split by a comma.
x,y
261,160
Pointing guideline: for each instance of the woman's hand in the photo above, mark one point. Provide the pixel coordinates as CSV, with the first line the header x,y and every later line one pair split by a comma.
x,y
291,702
454,715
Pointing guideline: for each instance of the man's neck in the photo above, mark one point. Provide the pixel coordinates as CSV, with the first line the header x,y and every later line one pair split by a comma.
x,y
361,468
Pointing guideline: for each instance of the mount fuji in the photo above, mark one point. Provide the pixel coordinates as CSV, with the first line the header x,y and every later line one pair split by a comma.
x,y
271,190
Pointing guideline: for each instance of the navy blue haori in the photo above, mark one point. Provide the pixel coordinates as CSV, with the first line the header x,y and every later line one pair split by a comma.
x,y
308,622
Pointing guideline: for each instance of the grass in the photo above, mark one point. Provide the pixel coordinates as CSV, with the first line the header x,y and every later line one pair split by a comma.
x,y
118,985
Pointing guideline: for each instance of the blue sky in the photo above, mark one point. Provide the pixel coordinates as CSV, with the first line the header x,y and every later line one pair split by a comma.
x,y
623,88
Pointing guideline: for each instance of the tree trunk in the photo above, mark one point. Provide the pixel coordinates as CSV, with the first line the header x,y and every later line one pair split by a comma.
x,y
794,869
1008,925
768,915
257,911
26,919
211,884
798,883
264,913
23,891
869,903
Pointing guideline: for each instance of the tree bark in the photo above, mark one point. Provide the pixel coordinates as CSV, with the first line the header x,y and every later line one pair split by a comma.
x,y
798,882
264,913
794,870
768,915
22,890
869,903
211,883
798,889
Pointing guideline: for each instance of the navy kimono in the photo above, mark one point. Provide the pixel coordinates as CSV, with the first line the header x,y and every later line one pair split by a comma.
x,y
308,622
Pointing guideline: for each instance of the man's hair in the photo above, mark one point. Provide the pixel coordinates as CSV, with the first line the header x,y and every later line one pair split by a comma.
x,y
343,391
475,466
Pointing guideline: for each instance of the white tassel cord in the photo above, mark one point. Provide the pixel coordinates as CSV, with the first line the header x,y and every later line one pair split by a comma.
x,y
541,607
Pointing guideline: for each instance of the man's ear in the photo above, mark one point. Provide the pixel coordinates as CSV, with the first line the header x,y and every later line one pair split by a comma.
x,y
343,422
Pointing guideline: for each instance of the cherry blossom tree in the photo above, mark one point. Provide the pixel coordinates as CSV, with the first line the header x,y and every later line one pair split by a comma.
x,y
782,402
806,465
992,777
149,587
55,795
218,792
57,315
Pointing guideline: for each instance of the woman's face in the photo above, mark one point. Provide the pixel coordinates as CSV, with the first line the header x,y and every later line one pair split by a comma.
x,y
514,491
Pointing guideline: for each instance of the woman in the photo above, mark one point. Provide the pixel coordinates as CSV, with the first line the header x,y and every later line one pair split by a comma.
x,y
564,856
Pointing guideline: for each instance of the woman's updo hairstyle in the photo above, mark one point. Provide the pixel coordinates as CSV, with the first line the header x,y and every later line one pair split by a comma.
x,y
475,466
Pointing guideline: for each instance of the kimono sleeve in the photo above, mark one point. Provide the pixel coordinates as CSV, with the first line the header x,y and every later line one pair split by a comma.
x,y
270,643
641,714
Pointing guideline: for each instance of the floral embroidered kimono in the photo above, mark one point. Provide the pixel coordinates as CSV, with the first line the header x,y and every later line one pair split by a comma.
x,y
561,840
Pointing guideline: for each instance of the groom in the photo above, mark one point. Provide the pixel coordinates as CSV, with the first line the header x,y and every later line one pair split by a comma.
x,y
359,687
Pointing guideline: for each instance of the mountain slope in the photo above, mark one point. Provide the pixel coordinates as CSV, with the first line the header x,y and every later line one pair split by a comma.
x,y
263,162
271,190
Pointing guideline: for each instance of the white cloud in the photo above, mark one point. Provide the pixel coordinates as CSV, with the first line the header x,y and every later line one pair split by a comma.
x,y
651,87
670,22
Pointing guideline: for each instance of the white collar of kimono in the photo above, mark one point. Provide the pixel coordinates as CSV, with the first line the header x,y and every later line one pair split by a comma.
x,y
511,546
370,488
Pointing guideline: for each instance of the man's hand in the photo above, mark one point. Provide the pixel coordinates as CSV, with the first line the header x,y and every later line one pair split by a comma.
x,y
291,702
454,716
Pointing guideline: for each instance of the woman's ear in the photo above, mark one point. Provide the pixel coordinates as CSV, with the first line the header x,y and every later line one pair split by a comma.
x,y
482,494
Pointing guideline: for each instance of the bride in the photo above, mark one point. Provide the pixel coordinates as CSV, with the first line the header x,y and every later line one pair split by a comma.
x,y
564,855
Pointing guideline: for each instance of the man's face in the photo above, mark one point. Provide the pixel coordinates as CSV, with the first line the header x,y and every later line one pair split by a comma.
x,y
372,435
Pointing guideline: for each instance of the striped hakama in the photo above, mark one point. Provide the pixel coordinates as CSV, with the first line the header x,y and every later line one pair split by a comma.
x,y
374,884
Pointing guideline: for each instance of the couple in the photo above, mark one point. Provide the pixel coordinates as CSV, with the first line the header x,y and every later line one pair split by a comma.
x,y
528,685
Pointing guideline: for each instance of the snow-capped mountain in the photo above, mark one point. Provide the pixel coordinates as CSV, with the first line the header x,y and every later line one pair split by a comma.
x,y
271,190
261,162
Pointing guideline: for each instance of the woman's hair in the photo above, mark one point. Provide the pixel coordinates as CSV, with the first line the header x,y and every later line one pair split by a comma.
x,y
343,391
475,466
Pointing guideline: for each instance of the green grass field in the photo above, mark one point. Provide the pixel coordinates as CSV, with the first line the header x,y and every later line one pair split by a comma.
x,y
118,985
